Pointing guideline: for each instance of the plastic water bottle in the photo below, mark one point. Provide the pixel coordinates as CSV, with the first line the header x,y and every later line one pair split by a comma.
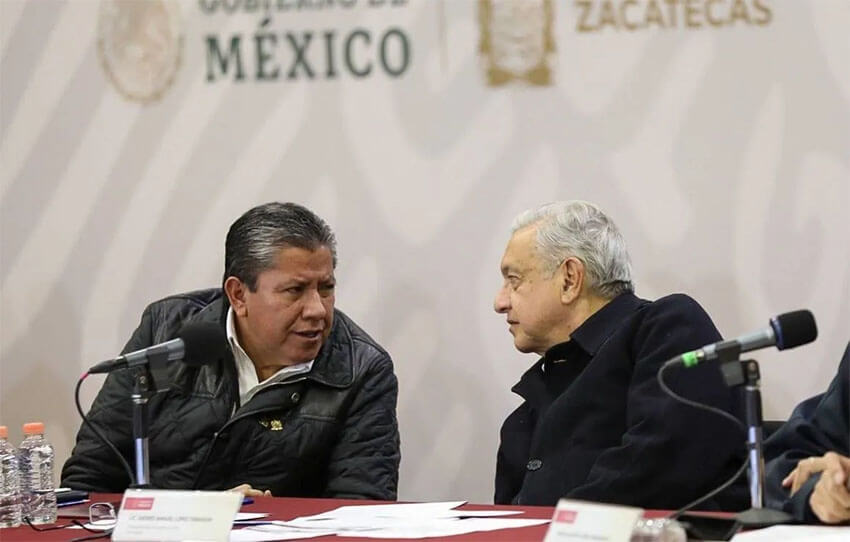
x,y
35,457
10,489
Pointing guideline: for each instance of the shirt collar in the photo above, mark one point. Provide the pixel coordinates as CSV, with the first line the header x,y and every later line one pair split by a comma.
x,y
246,373
588,337
593,332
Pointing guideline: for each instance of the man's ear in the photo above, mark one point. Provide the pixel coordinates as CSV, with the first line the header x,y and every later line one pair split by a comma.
x,y
572,279
236,290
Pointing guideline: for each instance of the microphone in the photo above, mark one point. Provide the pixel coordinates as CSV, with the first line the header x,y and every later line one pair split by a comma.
x,y
785,331
197,344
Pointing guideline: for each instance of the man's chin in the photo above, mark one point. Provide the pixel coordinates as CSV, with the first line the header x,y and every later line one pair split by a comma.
x,y
524,347
300,356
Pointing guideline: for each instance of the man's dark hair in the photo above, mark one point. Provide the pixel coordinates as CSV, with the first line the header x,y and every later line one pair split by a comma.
x,y
255,239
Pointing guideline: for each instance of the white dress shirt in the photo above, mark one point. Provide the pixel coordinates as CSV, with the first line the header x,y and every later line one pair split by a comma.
x,y
249,383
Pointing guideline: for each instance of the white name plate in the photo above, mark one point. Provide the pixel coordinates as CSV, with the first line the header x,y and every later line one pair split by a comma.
x,y
580,520
163,515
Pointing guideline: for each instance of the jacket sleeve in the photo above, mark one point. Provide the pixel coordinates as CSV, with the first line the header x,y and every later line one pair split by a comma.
x,y
666,443
364,463
818,425
92,465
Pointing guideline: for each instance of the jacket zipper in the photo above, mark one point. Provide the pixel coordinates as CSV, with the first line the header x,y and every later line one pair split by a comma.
x,y
236,419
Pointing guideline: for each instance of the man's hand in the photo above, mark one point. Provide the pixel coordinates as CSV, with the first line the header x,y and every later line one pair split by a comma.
x,y
830,499
803,471
247,491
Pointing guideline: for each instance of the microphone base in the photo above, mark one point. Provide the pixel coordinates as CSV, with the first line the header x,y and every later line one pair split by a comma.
x,y
756,518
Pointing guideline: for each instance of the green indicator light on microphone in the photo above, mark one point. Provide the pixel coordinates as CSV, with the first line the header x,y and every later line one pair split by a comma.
x,y
689,359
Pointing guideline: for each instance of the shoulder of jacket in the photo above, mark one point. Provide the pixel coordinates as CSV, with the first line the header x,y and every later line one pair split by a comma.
x,y
361,341
675,308
673,302
197,299
167,315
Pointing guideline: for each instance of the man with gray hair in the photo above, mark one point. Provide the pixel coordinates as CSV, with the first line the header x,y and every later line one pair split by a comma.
x,y
594,424
302,403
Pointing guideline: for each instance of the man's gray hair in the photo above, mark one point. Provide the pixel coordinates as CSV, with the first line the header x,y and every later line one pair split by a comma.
x,y
580,229
255,239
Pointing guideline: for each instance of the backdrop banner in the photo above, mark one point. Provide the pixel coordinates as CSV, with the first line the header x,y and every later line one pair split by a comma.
x,y
132,133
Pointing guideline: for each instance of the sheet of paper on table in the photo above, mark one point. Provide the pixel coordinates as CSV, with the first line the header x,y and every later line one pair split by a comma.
x,y
264,533
389,521
795,533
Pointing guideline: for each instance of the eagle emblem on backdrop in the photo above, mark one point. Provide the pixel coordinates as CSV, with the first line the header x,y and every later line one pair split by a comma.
x,y
516,42
140,45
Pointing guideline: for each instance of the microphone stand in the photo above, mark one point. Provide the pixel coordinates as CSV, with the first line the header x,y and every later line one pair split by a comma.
x,y
143,388
746,372
141,394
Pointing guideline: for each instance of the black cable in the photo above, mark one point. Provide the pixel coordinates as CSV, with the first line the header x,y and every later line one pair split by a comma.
x,y
713,492
74,522
97,431
676,396
713,410
104,534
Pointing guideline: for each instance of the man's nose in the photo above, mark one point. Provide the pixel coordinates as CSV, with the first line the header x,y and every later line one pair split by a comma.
x,y
502,302
314,309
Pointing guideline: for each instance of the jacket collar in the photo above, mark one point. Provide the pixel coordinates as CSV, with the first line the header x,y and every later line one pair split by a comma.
x,y
589,336
334,364
594,331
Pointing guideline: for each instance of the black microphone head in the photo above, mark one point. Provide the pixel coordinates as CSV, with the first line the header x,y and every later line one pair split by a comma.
x,y
204,342
793,329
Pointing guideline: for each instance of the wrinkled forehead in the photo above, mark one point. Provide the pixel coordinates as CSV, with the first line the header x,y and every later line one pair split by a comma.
x,y
521,251
302,262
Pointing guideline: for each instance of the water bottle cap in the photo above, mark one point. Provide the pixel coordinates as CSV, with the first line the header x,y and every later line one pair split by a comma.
x,y
4,431
33,428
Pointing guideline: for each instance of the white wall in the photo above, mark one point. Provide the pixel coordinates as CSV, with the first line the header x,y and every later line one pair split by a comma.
x,y
722,151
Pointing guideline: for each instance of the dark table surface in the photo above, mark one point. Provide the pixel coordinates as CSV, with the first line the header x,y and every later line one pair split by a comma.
x,y
291,508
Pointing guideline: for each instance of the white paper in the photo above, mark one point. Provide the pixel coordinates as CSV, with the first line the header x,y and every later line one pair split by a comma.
x,y
386,528
402,510
443,527
388,521
481,513
795,533
262,533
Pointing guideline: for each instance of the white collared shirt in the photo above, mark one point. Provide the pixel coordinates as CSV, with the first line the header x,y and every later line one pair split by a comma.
x,y
249,383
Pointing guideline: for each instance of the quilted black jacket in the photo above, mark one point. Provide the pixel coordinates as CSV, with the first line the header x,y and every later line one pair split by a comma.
x,y
331,432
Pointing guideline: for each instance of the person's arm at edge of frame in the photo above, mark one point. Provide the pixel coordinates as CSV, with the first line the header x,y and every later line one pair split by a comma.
x,y
793,454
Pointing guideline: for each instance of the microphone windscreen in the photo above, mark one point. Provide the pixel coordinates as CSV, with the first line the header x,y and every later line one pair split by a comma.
x,y
795,328
204,342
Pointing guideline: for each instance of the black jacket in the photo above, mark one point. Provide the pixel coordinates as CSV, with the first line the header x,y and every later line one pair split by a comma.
x,y
818,425
331,432
595,425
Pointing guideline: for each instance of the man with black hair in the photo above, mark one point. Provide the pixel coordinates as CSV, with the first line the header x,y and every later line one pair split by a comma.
x,y
303,403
